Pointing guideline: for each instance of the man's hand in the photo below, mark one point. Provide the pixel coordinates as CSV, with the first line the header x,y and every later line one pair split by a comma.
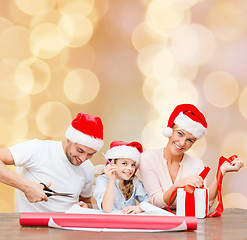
x,y
34,192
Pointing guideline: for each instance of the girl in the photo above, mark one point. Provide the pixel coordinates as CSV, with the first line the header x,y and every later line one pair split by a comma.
x,y
118,188
164,170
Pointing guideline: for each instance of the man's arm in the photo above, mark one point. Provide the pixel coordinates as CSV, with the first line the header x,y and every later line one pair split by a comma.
x,y
33,191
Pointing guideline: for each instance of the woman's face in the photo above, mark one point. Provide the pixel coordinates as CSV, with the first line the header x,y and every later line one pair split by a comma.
x,y
180,141
126,168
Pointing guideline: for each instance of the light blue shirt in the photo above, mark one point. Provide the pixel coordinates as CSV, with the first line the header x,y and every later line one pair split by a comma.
x,y
120,202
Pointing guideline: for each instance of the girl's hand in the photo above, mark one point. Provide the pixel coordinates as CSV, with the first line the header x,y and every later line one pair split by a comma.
x,y
193,180
82,204
132,210
234,166
110,171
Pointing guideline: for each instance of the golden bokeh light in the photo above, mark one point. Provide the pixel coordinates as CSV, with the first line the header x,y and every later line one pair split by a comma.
x,y
242,103
221,89
52,17
148,88
32,76
4,23
9,89
10,48
14,110
45,41
171,91
193,44
162,16
226,20
10,131
151,135
81,86
183,3
199,148
235,143
84,7
37,7
69,29
53,118
231,199
100,9
147,57
187,72
143,36
73,58
163,63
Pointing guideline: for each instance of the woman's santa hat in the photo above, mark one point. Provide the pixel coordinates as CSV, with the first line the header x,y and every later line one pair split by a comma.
x,y
120,149
86,130
188,118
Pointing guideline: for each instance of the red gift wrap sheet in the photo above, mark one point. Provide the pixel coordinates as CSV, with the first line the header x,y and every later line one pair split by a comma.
x,y
112,221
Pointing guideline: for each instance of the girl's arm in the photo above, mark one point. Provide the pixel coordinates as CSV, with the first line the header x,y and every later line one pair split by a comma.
x,y
108,198
234,166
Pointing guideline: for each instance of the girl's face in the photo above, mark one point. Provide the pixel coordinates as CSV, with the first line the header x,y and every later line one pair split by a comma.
x,y
180,141
126,168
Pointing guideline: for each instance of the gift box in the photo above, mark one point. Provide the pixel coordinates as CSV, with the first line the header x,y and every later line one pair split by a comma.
x,y
195,203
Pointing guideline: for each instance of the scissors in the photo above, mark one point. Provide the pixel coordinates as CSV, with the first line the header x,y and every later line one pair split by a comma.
x,y
49,192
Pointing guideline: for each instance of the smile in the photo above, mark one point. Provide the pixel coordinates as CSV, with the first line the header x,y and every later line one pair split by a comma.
x,y
179,148
78,160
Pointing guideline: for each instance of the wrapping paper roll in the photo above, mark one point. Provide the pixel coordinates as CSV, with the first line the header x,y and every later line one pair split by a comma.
x,y
150,222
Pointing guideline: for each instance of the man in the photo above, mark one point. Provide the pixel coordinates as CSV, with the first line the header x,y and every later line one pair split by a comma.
x,y
63,166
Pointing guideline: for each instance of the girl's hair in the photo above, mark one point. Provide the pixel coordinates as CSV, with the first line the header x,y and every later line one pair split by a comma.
x,y
127,189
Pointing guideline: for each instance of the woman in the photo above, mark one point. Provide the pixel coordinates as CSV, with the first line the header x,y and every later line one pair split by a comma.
x,y
164,170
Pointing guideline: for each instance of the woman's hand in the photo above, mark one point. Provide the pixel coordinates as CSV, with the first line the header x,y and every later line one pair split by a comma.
x,y
193,180
234,166
110,171
132,210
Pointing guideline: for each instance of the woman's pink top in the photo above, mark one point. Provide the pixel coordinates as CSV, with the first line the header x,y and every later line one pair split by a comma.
x,y
156,178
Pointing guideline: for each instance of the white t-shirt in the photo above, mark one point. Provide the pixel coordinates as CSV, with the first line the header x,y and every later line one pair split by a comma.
x,y
45,161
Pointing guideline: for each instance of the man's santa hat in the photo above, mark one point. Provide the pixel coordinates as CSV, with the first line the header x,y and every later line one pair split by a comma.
x,y
120,149
86,130
188,118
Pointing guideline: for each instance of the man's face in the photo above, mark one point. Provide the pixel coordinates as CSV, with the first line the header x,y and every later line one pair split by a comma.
x,y
77,153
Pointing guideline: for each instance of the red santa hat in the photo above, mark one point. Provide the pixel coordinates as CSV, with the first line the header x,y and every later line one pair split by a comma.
x,y
188,118
120,149
86,130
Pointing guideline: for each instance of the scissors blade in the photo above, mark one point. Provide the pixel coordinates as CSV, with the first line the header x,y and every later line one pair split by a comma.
x,y
59,194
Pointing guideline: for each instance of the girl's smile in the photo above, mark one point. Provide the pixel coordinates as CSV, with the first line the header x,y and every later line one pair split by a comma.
x,y
126,168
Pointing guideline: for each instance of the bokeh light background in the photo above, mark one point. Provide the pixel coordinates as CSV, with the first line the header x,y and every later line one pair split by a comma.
x,y
130,62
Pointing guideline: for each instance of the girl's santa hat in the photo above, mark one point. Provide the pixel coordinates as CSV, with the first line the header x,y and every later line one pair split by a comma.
x,y
120,149
86,130
188,118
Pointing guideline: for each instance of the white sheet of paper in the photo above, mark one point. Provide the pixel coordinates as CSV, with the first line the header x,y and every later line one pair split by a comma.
x,y
148,209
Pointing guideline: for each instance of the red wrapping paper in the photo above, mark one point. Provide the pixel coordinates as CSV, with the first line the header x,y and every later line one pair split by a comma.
x,y
108,221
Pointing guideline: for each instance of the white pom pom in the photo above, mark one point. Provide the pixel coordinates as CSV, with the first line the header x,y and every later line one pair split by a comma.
x,y
167,132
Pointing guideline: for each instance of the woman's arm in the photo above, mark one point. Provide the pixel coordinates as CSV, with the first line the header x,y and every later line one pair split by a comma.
x,y
234,166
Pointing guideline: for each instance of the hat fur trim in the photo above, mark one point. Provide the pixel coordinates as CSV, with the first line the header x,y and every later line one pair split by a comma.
x,y
124,151
76,136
